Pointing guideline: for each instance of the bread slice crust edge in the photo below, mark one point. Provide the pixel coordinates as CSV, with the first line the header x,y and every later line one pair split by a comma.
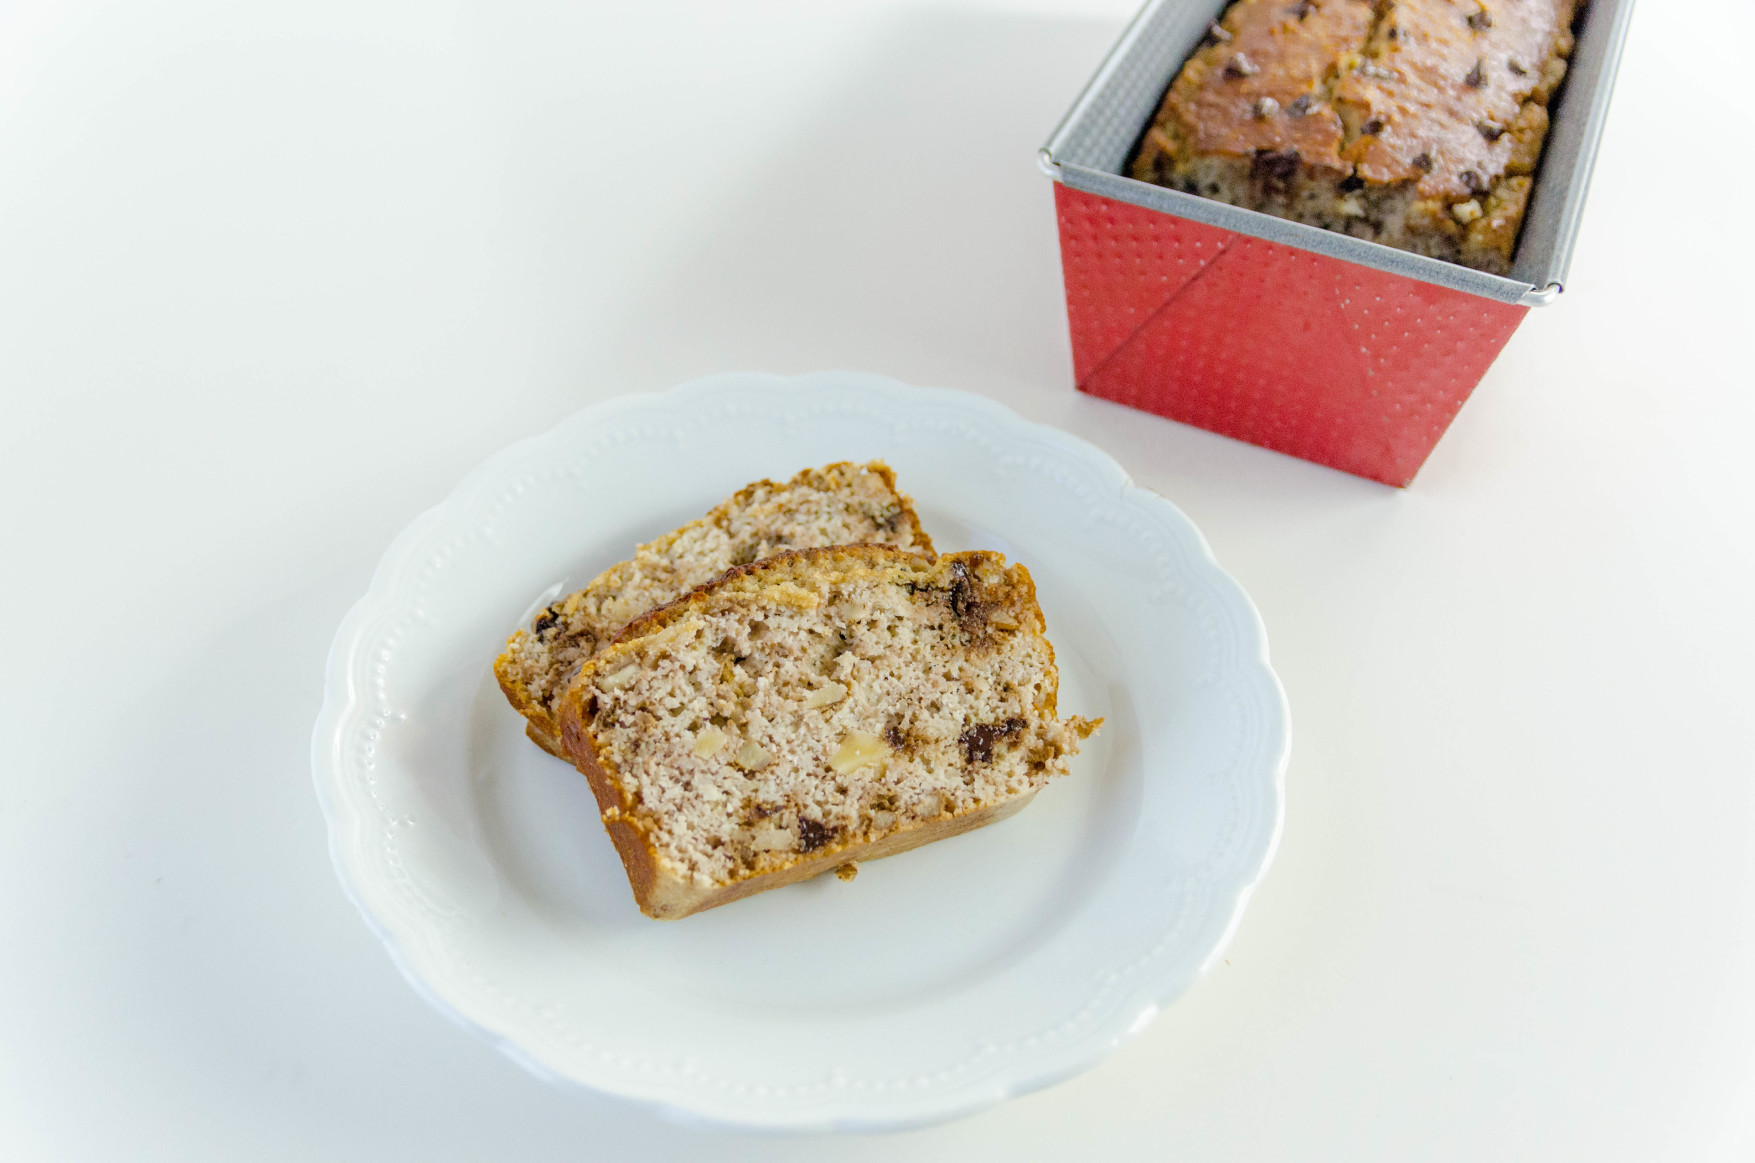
x,y
665,893
541,724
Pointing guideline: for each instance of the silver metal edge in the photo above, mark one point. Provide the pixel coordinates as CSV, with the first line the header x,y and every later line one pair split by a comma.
x,y
1111,61
1254,223
1369,254
1542,297
1572,213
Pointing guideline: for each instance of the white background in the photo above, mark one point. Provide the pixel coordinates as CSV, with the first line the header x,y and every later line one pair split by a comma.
x,y
273,277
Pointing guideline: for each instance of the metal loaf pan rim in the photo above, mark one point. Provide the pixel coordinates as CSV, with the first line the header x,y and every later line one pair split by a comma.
x,y
1120,98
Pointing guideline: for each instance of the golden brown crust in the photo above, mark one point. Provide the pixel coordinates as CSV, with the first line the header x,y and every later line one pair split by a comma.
x,y
1407,122
1272,51
549,743
636,852
1438,85
539,724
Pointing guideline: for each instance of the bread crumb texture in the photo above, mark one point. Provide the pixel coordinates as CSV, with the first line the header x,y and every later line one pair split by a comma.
x,y
819,702
839,504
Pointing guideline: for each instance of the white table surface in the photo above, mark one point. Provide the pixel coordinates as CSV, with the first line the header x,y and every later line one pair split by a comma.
x,y
272,277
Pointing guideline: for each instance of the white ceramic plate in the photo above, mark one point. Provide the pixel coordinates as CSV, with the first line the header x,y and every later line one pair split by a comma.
x,y
940,981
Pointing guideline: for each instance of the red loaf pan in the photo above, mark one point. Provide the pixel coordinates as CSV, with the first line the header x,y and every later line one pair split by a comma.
x,y
1327,347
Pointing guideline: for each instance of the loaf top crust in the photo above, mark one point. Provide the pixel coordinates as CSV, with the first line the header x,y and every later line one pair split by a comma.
x,y
1446,95
1267,51
842,503
1442,85
819,702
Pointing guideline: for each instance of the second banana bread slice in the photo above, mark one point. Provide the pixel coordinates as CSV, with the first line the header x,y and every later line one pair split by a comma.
x,y
838,504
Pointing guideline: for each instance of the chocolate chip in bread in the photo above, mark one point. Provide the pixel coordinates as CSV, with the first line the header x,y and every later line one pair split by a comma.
x,y
812,711
838,504
1414,123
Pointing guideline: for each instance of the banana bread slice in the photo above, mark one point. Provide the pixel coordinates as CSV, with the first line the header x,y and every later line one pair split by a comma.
x,y
1414,123
838,504
816,709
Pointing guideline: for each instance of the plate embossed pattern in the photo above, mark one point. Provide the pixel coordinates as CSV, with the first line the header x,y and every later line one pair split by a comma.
x,y
940,982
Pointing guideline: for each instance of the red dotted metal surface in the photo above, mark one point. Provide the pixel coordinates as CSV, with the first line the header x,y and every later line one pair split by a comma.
x,y
1298,352
1122,264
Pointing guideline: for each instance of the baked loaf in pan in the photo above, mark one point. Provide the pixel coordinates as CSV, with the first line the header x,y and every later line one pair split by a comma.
x,y
838,504
816,709
1414,123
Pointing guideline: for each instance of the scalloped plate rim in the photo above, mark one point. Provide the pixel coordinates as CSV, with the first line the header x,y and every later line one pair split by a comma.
x,y
341,697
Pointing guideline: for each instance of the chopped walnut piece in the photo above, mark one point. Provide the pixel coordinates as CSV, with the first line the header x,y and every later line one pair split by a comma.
x,y
856,751
752,756
825,696
1477,76
1264,108
1479,21
1240,66
1466,212
708,742
1553,69
620,679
